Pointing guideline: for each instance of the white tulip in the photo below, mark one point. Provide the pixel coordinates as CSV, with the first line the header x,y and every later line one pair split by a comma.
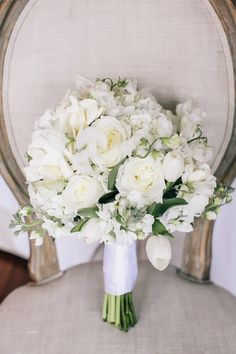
x,y
173,166
141,180
91,231
81,192
164,126
158,251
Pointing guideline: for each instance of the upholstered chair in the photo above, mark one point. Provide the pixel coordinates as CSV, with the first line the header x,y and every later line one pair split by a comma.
x,y
183,49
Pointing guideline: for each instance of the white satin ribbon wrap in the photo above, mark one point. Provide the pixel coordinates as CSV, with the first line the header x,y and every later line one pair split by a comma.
x,y
120,268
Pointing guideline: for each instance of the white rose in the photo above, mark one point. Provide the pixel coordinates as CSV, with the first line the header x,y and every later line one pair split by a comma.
x,y
141,180
81,192
158,251
164,126
173,166
91,231
105,141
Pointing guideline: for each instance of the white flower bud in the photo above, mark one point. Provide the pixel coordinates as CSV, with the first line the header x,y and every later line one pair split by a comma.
x,y
164,126
211,215
91,231
173,166
158,251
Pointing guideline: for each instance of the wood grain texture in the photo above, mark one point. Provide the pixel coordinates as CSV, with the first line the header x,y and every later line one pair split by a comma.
x,y
197,248
43,263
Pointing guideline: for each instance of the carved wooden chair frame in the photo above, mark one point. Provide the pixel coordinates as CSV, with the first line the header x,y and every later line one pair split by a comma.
x,y
43,263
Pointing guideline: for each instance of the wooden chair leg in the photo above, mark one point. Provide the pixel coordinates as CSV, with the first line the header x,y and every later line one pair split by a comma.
x,y
43,264
197,252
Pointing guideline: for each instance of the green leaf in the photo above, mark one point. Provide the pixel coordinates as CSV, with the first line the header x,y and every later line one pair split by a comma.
x,y
169,185
170,191
88,212
159,209
28,157
108,197
159,229
152,209
79,226
113,174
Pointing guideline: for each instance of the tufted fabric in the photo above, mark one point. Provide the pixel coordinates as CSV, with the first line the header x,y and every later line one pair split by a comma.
x,y
175,317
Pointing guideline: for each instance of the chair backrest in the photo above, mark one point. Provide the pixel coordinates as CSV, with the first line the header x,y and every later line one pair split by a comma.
x,y
179,49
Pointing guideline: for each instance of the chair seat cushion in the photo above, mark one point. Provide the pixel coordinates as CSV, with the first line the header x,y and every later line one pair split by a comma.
x,y
64,316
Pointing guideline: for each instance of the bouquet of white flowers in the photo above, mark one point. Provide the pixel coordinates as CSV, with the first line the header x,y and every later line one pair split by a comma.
x,y
110,164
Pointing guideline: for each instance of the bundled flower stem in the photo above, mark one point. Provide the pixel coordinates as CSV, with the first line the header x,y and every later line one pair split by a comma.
x,y
119,310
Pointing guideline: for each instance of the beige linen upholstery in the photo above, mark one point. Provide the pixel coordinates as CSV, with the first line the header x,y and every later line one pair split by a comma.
x,y
175,317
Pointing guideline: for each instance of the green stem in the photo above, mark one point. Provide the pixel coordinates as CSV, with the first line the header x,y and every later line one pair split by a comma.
x,y
113,308
104,309
119,311
132,308
123,314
